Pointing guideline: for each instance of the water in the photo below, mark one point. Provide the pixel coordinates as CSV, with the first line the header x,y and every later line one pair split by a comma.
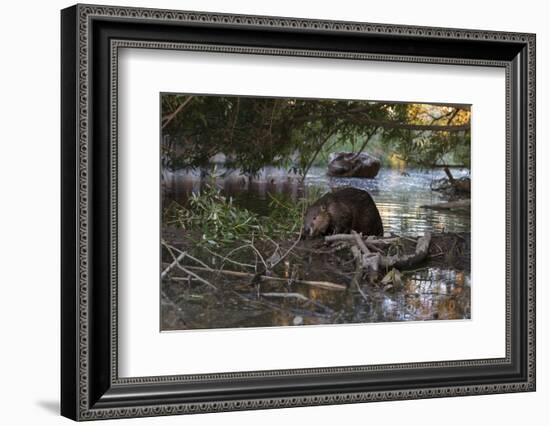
x,y
398,197
434,293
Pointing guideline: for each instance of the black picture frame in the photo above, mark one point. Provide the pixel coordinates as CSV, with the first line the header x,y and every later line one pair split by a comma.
x,y
90,386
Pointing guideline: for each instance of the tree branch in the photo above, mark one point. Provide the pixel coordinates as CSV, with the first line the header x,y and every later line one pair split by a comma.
x,y
167,119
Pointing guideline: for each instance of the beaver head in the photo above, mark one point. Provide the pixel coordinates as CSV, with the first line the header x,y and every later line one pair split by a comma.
x,y
316,220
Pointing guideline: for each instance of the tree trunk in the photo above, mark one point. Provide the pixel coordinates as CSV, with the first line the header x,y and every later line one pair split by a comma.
x,y
449,175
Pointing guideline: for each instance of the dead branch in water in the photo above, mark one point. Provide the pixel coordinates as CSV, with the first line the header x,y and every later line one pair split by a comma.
x,y
170,247
226,259
371,242
183,279
176,263
298,296
357,275
274,260
449,205
409,260
172,265
286,253
360,243
370,262
322,284
339,237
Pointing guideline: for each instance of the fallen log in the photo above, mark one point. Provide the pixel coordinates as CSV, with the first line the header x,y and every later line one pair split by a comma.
x,y
449,205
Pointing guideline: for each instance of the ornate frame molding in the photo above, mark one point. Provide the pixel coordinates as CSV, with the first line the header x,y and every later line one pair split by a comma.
x,y
82,16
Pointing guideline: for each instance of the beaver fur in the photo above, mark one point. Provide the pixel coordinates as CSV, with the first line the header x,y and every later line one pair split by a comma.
x,y
342,211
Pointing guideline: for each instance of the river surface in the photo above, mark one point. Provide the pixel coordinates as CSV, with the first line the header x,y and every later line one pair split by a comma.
x,y
433,293
398,196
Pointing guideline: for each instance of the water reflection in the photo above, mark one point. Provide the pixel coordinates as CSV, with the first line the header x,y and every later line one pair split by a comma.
x,y
397,196
435,293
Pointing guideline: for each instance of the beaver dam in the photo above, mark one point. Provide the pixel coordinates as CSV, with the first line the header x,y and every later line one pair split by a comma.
x,y
234,253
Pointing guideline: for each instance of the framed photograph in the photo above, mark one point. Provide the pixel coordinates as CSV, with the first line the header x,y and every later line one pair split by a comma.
x,y
263,212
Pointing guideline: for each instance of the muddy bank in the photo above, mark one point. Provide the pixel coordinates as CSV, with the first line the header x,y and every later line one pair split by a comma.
x,y
290,294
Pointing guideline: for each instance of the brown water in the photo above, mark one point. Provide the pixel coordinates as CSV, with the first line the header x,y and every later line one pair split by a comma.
x,y
432,293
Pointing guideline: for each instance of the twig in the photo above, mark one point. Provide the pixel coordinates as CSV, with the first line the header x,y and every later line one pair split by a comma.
x,y
247,245
187,271
272,242
322,284
298,296
251,245
200,262
170,117
361,292
172,265
339,237
360,243
258,276
358,272
225,258
289,250
373,247
370,242
371,262
202,280
406,261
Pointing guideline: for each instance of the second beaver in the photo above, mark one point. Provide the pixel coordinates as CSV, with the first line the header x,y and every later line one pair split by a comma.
x,y
342,211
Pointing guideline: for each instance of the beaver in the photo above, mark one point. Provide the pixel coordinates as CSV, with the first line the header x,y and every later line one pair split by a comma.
x,y
342,211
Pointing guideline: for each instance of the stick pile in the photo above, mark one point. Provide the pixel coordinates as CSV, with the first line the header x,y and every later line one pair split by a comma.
x,y
370,255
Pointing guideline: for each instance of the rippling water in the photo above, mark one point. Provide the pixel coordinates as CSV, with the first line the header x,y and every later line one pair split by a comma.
x,y
399,197
433,293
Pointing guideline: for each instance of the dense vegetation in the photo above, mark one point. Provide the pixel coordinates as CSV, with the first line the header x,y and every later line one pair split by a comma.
x,y
217,220
297,133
